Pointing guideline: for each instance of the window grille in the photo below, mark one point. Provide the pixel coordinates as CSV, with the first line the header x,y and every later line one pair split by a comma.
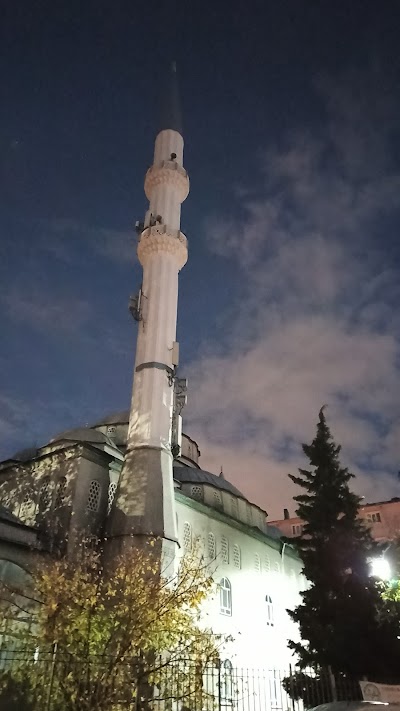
x,y
236,556
225,549
267,564
211,546
225,597
270,611
44,494
27,509
93,500
60,493
257,563
217,499
112,488
197,492
187,536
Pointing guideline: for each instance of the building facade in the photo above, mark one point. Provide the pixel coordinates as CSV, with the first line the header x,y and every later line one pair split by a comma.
x,y
382,518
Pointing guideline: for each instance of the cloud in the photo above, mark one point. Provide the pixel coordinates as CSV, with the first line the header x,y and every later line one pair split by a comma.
x,y
316,321
44,311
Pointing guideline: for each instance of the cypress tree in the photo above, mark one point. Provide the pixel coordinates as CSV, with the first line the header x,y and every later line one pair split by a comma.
x,y
341,618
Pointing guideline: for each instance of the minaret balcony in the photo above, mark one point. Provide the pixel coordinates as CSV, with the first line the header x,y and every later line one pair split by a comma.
x,y
167,172
160,238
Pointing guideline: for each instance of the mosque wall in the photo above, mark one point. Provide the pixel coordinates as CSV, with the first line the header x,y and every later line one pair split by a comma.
x,y
259,578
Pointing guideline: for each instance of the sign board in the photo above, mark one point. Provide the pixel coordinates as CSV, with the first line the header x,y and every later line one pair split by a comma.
x,y
385,693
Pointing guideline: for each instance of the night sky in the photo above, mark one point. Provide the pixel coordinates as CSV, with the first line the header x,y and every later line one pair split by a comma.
x,y
290,298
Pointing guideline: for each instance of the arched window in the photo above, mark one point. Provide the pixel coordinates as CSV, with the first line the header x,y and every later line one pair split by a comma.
x,y
187,536
45,495
249,515
227,682
197,492
211,546
224,549
225,597
93,499
257,563
270,611
267,563
237,562
60,493
234,507
112,488
217,499
27,510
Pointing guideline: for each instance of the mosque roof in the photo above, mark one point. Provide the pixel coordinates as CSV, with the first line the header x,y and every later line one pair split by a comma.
x,y
186,475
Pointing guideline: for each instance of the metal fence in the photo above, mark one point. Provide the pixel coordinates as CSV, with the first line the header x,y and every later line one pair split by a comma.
x,y
56,681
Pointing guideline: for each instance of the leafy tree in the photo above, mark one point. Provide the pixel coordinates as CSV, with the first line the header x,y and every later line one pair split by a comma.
x,y
99,640
342,622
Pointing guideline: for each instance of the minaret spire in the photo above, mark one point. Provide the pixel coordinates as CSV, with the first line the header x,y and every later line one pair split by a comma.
x,y
171,115
145,503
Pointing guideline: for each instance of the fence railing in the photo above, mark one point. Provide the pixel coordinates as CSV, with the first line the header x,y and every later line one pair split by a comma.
x,y
57,681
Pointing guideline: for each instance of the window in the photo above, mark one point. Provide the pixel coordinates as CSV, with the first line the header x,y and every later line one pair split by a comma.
x,y
267,564
249,515
217,499
234,507
60,493
257,563
225,549
374,517
225,597
236,556
187,536
297,529
270,611
211,546
112,488
275,693
226,682
44,495
27,510
197,492
93,500
277,568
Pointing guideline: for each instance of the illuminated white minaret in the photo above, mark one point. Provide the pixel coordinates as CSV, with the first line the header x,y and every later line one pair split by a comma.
x,y
145,504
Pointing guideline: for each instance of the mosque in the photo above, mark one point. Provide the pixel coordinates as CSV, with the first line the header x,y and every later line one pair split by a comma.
x,y
136,475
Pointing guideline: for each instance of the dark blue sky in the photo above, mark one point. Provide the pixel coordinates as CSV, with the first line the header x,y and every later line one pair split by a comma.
x,y
271,91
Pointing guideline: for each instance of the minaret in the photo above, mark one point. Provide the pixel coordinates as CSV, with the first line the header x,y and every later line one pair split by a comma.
x,y
144,503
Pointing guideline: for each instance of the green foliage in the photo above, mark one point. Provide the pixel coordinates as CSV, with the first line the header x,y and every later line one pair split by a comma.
x,y
102,638
341,618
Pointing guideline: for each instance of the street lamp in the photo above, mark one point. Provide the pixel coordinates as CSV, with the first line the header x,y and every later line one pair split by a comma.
x,y
380,568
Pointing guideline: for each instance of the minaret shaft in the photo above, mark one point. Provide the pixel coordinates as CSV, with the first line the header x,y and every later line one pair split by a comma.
x,y
145,504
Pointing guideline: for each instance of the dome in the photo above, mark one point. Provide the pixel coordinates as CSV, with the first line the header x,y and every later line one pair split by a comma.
x,y
191,475
81,434
114,418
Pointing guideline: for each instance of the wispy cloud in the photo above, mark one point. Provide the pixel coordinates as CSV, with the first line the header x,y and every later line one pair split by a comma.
x,y
316,322
45,311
